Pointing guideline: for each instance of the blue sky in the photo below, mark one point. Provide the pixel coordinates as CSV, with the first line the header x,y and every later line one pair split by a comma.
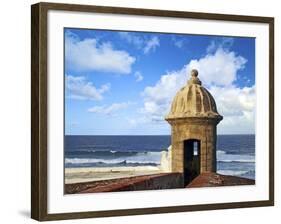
x,y
122,83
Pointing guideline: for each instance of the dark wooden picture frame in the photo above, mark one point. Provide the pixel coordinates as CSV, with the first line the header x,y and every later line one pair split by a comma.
x,y
39,105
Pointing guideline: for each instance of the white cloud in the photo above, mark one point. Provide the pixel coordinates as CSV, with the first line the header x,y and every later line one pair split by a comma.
x,y
219,68
89,54
237,105
139,76
109,110
218,72
177,42
141,41
234,101
223,43
157,98
77,87
151,45
132,39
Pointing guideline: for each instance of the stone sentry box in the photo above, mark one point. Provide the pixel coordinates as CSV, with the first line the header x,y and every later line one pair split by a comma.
x,y
193,118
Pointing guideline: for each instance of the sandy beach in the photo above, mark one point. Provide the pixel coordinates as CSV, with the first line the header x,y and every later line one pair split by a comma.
x,y
87,174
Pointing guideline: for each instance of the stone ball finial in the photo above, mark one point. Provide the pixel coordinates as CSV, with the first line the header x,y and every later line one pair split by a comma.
x,y
194,72
194,79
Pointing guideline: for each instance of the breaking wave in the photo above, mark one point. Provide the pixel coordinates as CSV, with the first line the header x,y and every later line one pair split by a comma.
x,y
222,156
112,158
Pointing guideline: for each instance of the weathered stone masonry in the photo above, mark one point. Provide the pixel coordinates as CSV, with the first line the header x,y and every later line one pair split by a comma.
x,y
193,118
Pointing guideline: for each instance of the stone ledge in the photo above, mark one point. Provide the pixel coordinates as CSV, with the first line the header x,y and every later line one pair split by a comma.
x,y
145,182
216,180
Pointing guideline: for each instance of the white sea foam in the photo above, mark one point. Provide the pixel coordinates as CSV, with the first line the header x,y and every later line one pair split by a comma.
x,y
242,158
155,158
139,158
91,160
232,172
220,152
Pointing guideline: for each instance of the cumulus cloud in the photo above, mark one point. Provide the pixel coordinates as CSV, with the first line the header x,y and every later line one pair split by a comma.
x,y
237,105
139,76
234,101
109,110
219,68
218,72
77,87
89,54
157,98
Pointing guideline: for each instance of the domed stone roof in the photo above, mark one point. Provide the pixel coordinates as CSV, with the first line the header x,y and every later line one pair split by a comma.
x,y
193,100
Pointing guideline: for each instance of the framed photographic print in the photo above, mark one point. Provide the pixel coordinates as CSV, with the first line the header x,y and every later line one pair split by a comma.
x,y
139,111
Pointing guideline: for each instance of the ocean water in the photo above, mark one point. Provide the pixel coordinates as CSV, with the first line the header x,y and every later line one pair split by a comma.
x,y
235,153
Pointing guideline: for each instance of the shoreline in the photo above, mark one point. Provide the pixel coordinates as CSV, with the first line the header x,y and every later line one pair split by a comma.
x,y
87,174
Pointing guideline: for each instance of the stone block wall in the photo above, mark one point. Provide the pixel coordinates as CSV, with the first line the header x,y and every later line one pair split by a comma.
x,y
205,132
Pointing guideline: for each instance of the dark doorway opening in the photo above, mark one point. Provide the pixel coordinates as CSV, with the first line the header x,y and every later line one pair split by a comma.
x,y
191,160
